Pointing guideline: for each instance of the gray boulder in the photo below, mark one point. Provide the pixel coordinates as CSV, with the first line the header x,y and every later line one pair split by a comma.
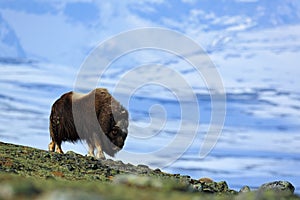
x,y
278,186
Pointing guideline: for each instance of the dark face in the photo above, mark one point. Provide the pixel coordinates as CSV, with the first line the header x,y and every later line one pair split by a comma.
x,y
116,141
119,131
118,137
122,124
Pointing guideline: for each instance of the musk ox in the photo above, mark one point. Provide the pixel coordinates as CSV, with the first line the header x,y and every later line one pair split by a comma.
x,y
95,117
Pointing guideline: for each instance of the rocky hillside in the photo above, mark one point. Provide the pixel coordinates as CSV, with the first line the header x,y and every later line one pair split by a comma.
x,y
29,173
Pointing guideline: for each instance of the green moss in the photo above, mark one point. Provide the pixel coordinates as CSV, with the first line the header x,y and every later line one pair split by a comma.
x,y
26,173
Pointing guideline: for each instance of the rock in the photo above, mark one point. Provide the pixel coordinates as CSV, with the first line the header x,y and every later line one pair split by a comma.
x,y
157,170
222,186
70,167
47,155
143,166
278,186
205,180
245,189
197,187
71,155
215,187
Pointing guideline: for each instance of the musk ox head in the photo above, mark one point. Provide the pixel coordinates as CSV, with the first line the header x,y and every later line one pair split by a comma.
x,y
119,131
117,115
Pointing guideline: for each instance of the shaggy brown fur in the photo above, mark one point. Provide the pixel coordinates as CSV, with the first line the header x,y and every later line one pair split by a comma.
x,y
95,117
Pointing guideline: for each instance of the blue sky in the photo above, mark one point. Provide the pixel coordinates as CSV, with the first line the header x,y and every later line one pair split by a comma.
x,y
65,32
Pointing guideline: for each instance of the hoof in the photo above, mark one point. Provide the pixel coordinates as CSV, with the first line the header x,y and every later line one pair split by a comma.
x,y
100,156
60,152
51,146
90,155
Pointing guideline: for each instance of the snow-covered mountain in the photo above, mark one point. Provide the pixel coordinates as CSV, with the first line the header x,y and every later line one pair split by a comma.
x,y
10,46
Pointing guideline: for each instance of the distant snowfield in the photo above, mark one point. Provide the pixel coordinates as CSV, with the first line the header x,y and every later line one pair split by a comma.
x,y
265,58
260,140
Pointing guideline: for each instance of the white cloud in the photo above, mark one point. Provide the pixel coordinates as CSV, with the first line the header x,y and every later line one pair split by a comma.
x,y
54,38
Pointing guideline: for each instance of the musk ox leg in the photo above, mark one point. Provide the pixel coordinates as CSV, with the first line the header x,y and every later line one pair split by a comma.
x,y
91,150
100,154
51,146
58,148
